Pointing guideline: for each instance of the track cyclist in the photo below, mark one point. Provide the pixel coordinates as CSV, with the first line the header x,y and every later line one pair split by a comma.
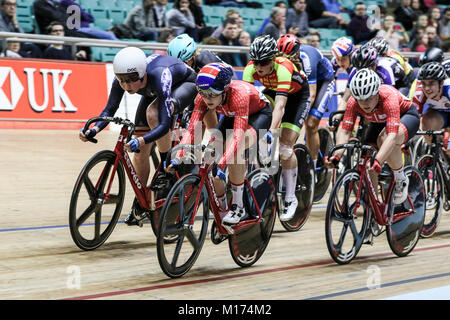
x,y
433,91
393,121
342,50
245,112
287,86
321,82
167,86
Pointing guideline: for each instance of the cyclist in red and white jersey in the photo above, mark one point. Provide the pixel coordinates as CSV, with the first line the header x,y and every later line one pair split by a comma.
x,y
433,91
246,111
393,121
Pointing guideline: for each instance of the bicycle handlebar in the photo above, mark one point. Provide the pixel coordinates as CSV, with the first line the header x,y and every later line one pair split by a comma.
x,y
117,120
430,132
334,122
358,145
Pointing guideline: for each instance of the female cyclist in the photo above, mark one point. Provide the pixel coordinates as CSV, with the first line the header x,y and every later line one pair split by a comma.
x,y
245,112
393,121
287,87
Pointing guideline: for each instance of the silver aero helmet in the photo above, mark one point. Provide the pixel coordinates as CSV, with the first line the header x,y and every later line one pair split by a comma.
x,y
130,60
364,84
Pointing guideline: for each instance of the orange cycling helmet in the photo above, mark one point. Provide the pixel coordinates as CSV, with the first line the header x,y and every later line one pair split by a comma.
x,y
288,44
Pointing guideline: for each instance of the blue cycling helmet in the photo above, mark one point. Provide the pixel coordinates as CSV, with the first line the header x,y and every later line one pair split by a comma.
x,y
214,78
342,47
182,47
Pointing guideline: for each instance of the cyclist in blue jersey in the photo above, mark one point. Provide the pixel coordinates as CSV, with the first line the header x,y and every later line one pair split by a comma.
x,y
321,82
342,50
167,87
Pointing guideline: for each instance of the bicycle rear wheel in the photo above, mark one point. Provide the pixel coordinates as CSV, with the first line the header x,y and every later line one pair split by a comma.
x,y
323,173
93,214
403,234
346,212
248,244
304,190
434,190
185,217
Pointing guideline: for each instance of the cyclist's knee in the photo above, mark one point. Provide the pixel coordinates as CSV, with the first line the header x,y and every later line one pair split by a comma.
x,y
312,124
285,151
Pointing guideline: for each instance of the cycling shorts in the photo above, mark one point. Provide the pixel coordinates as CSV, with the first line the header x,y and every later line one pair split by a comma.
x,y
324,94
183,97
296,109
409,123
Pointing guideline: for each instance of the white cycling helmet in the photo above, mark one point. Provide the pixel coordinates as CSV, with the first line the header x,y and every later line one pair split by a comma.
x,y
130,60
364,84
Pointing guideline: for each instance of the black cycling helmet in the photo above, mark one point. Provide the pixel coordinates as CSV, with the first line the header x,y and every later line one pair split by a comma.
x,y
432,71
433,54
263,48
380,44
364,57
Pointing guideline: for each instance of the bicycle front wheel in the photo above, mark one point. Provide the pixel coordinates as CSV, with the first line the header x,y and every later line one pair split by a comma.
x,y
347,217
185,217
403,234
93,214
434,190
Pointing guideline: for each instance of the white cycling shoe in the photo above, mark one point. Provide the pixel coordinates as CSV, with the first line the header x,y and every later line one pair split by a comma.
x,y
401,190
289,209
233,216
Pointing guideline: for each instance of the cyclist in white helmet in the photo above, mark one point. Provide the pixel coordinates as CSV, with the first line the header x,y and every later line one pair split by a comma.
x,y
393,121
167,87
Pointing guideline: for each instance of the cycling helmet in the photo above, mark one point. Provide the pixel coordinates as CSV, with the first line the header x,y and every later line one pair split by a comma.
x,y
430,55
380,44
432,71
182,47
342,47
288,44
263,48
130,60
364,57
214,78
446,65
364,84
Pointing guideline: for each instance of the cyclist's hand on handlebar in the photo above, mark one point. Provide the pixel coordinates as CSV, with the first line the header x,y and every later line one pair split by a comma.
x,y
219,174
332,162
172,167
88,134
133,145
268,137
335,124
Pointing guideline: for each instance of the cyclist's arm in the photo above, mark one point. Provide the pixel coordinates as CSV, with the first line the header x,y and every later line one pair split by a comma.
x,y
312,92
278,111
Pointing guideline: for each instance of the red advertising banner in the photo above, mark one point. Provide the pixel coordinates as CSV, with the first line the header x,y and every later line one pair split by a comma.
x,y
50,94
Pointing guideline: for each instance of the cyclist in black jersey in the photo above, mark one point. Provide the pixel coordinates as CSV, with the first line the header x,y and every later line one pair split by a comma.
x,y
167,87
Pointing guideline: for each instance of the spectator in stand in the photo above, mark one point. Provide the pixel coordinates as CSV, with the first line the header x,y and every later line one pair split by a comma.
x,y
280,4
160,9
245,40
181,18
420,44
416,5
434,15
405,14
394,33
141,21
297,19
313,39
165,36
59,51
277,23
8,23
318,17
420,25
358,27
86,19
233,14
444,25
199,17
229,38
334,8
433,38
12,51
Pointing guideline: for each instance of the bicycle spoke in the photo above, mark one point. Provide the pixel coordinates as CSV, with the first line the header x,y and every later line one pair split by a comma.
x,y
86,214
89,187
98,221
176,254
190,234
113,199
104,176
342,236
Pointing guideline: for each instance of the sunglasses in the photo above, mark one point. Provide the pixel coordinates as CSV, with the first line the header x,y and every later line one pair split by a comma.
x,y
128,78
207,93
262,63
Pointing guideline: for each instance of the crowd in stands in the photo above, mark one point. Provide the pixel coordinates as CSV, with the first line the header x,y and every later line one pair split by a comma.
x,y
411,25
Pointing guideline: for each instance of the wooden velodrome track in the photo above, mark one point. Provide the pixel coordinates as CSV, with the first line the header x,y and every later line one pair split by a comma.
x,y
38,259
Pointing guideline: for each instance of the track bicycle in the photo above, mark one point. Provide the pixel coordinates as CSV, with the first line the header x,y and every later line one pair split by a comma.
x,y
434,167
99,192
355,214
185,216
